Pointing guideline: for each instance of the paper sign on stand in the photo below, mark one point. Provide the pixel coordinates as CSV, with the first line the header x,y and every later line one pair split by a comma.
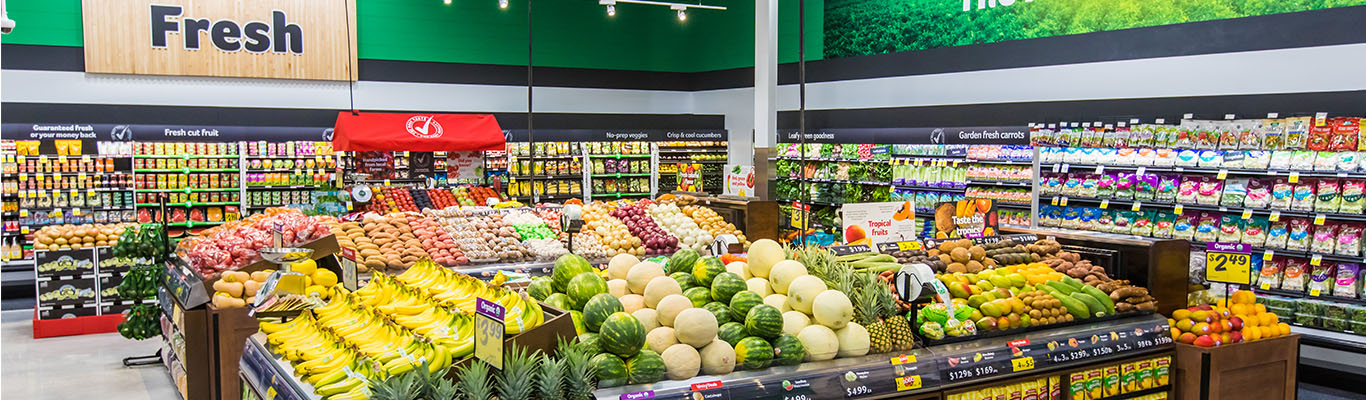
x,y
739,180
870,223
972,218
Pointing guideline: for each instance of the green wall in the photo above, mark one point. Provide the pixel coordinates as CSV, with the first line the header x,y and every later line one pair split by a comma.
x,y
568,33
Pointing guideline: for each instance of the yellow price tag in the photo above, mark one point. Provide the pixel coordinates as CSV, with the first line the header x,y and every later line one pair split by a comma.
x,y
1266,285
23,213
1223,173
61,159
1315,292
1055,200
1247,214
1294,177
57,175
1022,364
909,245
1137,205
80,176
1228,267
76,212
1178,209
488,334
1063,202
904,359
42,159
911,382
348,206
1267,255
23,230
1275,216
270,393
1320,219
1316,260
40,176
23,176
1104,204
21,159
386,182
85,159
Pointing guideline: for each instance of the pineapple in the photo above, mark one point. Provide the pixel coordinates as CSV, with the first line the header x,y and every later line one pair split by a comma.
x,y
474,382
398,387
867,311
519,367
580,375
550,378
902,340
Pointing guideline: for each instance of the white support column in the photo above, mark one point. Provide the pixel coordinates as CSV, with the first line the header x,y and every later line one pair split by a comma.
x,y
765,72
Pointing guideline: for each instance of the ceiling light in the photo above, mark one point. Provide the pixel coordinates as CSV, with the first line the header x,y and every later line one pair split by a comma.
x,y
448,2
502,3
611,10
682,15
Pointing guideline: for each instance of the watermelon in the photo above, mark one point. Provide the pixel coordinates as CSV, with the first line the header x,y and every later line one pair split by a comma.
x,y
707,269
576,317
720,310
764,321
753,353
645,367
787,350
598,309
742,302
700,296
685,280
540,288
584,287
567,267
732,333
622,334
560,301
588,342
682,260
611,370
726,285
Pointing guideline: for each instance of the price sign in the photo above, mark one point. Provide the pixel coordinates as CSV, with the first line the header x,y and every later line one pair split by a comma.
x,y
1247,214
1137,205
1223,174
1055,200
1022,364
1063,202
1320,219
1141,170
778,388
869,382
1275,216
488,332
1316,260
910,382
1294,177
1228,263
1100,169
1267,255
847,250
348,268
1178,209
1105,204
890,247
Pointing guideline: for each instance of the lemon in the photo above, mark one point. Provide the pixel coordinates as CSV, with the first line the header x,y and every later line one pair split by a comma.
x,y
306,267
325,278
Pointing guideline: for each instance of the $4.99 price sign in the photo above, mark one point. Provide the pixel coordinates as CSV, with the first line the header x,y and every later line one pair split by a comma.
x,y
1228,263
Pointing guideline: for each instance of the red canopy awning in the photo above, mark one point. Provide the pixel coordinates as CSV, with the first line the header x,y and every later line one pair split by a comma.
x,y
371,131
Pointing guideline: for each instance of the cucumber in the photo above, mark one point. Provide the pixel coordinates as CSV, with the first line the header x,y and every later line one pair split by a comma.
x,y
1061,287
1093,306
1073,282
1074,306
1099,295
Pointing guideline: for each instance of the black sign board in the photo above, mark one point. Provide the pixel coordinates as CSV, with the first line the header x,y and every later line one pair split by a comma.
x,y
847,250
162,133
1011,135
613,135
185,284
782,388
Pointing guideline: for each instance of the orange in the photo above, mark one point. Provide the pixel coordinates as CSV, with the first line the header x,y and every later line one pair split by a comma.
x,y
1268,319
1285,328
1260,308
1252,333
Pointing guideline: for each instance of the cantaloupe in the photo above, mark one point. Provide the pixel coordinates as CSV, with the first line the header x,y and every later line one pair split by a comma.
x,y
783,273
671,306
681,361
794,321
833,309
617,287
718,358
695,327
820,342
659,287
641,274
739,268
853,340
620,265
778,301
648,317
760,286
763,254
803,291
661,338
632,302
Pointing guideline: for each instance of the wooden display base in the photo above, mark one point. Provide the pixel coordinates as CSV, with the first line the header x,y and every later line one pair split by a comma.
x,y
1262,370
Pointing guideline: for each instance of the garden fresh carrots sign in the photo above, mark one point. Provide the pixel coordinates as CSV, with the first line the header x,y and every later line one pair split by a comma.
x,y
864,27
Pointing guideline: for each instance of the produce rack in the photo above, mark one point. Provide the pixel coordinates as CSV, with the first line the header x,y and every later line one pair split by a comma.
x,y
936,369
711,156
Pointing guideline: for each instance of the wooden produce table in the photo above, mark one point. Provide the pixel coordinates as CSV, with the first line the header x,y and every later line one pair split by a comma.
x,y
1262,370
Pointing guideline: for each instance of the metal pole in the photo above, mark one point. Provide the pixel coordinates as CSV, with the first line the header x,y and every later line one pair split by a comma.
x,y
530,135
801,112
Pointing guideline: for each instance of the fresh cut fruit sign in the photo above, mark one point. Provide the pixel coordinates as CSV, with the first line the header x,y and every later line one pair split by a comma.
x,y
872,223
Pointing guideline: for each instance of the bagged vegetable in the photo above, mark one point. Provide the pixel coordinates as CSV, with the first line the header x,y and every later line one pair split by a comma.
x,y
1304,196
1348,240
1298,237
1258,193
1235,192
1255,231
1325,238
1207,230
1326,198
1277,234
1270,274
1320,279
1230,229
1351,197
1293,275
1345,282
1282,194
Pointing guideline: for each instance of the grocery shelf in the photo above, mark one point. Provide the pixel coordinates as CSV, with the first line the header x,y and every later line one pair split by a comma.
x,y
620,155
811,202
1002,162
544,157
185,170
619,175
1304,295
192,204
834,159
291,170
1057,167
1007,204
619,194
1210,207
938,188
284,187
288,157
694,150
576,177
184,156
847,181
191,224
1331,339
1002,183
694,161
186,190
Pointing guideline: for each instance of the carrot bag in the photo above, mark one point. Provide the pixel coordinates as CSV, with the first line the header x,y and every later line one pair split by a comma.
x,y
1293,274
1270,274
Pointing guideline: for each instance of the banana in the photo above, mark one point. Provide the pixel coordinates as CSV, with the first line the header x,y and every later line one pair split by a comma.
x,y
359,393
327,378
339,387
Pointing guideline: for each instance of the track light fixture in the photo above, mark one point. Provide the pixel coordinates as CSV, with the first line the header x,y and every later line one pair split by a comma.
x,y
682,15
502,3
611,10
448,2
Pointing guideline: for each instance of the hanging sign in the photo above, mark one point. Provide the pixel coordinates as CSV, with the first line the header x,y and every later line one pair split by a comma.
x,y
739,180
464,165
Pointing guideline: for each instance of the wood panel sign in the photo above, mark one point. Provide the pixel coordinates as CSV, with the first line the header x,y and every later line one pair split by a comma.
x,y
287,39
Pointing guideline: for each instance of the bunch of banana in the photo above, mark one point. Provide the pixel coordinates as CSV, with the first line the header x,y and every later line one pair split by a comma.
x,y
376,336
445,286
336,370
438,323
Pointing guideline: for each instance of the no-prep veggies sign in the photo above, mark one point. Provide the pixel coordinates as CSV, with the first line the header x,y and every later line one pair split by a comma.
x,y
1228,263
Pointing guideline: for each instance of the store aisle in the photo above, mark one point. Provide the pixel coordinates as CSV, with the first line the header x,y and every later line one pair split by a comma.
x,y
74,367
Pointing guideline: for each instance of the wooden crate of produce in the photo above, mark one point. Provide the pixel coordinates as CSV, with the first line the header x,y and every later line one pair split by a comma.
x,y
1262,370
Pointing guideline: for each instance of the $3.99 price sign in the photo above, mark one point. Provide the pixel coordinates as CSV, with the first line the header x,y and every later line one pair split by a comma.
x,y
1228,263
488,332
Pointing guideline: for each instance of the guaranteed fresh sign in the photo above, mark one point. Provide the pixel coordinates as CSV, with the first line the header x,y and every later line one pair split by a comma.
x,y
290,39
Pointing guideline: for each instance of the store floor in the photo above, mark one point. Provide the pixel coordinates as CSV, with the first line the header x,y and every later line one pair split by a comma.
x,y
75,367
88,366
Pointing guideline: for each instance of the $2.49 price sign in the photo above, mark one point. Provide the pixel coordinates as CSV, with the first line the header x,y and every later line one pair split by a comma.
x,y
1228,263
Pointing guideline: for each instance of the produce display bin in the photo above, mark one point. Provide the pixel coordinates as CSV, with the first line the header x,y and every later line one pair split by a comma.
x,y
1229,371
1161,265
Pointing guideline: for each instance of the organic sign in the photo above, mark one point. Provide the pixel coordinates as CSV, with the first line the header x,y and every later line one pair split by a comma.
x,y
972,218
871,223
488,332
1228,263
288,39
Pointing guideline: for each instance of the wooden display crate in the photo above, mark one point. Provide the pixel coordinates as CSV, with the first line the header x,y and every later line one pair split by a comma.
x,y
545,337
1262,370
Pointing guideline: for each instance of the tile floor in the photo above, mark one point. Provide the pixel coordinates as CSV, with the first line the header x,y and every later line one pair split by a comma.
x,y
89,367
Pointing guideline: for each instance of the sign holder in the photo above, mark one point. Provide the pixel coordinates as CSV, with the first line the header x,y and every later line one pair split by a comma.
x,y
1228,263
488,332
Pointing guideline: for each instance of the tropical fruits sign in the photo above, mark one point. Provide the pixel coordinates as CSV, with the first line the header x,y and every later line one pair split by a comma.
x,y
872,223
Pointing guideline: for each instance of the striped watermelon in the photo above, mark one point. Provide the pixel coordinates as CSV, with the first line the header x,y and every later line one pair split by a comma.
x,y
742,302
732,332
726,285
588,342
567,267
611,370
682,260
540,288
787,350
645,367
720,310
584,287
598,309
764,321
622,334
560,301
576,317
707,269
685,280
700,296
753,353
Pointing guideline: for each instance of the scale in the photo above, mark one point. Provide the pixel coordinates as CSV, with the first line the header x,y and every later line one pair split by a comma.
x,y
283,282
910,283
